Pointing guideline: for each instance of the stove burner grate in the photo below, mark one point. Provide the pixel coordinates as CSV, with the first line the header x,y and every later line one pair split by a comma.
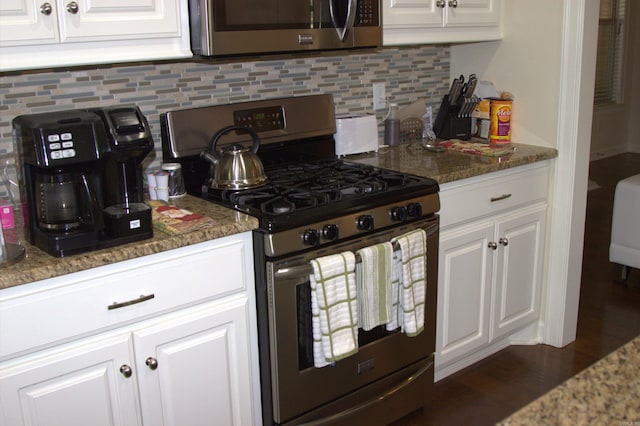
x,y
311,185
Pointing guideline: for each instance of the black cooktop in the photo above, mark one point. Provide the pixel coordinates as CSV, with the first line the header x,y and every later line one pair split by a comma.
x,y
301,193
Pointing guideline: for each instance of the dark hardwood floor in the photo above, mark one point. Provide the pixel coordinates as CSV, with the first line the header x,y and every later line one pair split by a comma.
x,y
608,317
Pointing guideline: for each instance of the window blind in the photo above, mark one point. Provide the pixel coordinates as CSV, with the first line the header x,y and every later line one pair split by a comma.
x,y
610,55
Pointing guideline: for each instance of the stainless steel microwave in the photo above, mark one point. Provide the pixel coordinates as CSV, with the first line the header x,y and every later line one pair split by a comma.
x,y
238,27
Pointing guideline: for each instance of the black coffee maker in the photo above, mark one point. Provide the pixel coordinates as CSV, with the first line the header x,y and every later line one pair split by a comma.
x,y
82,178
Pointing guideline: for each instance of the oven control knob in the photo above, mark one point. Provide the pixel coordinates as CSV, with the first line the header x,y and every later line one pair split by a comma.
x,y
364,222
311,237
414,209
399,213
330,232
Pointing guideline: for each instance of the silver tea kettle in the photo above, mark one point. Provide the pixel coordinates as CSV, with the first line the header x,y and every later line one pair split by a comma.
x,y
236,167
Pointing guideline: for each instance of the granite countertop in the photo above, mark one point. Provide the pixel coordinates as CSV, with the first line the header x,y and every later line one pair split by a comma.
x,y
38,265
449,166
409,158
607,393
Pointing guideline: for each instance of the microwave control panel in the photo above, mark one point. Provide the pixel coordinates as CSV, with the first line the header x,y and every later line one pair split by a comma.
x,y
368,13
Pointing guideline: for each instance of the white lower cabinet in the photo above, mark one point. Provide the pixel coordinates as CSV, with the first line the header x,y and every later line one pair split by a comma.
x,y
490,264
192,364
196,367
73,385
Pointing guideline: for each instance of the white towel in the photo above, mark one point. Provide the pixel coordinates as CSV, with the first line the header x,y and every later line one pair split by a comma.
x,y
334,308
412,285
373,285
396,273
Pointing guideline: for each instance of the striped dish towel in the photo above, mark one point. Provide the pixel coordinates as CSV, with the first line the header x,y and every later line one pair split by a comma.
x,y
396,274
373,285
412,285
334,308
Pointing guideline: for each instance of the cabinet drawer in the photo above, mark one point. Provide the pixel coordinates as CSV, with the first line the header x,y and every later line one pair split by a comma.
x,y
49,311
474,198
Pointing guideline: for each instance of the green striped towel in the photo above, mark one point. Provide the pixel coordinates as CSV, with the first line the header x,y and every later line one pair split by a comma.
x,y
373,285
412,287
334,308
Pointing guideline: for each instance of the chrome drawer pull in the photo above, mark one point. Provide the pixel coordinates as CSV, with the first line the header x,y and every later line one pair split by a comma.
x,y
142,298
502,197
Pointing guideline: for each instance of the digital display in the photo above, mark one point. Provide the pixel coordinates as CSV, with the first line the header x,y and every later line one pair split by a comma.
x,y
260,119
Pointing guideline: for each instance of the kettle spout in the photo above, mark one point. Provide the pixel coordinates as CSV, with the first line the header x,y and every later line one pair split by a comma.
x,y
208,157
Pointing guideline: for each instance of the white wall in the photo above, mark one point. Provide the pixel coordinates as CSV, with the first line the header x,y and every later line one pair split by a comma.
x,y
526,63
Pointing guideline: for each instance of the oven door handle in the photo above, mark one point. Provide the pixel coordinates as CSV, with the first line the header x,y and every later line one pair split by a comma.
x,y
303,270
295,271
373,401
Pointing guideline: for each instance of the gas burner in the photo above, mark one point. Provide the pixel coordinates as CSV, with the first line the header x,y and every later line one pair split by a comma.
x,y
279,206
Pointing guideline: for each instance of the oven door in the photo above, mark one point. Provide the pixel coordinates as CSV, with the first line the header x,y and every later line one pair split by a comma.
x,y
223,27
386,362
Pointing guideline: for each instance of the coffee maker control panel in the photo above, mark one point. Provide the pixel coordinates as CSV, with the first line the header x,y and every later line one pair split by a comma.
x,y
61,138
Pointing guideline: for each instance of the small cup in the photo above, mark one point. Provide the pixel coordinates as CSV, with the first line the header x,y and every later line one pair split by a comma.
x,y
176,181
151,182
162,188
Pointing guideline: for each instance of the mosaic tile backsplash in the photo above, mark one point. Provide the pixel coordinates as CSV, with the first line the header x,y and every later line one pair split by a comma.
x,y
409,74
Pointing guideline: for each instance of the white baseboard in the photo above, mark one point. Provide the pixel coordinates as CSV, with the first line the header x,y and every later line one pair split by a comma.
x,y
530,335
606,153
442,372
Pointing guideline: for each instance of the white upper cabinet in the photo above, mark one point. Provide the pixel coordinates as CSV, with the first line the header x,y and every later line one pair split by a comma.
x,y
50,33
440,21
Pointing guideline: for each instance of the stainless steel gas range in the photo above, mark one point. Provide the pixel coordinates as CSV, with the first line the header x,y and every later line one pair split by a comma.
x,y
314,204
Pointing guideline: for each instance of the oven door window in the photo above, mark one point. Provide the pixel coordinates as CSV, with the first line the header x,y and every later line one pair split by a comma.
x,y
239,15
305,330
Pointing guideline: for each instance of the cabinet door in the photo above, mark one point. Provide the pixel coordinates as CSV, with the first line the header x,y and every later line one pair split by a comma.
x,y
408,13
28,22
73,385
464,291
119,20
194,368
520,239
474,13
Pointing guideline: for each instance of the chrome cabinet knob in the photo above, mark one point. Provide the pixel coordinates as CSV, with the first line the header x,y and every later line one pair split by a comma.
x,y
152,363
504,241
46,9
492,245
441,4
126,371
453,3
73,7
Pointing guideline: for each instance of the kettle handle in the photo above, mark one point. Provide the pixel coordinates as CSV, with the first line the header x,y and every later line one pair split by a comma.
x,y
224,130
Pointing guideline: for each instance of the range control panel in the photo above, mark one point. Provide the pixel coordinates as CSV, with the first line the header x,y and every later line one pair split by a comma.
x,y
260,119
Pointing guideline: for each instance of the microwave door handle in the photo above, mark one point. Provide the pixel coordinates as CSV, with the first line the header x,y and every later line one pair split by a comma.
x,y
351,17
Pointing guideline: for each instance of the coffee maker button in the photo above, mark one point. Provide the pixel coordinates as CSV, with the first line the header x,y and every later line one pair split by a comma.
x,y
56,155
69,153
55,145
65,136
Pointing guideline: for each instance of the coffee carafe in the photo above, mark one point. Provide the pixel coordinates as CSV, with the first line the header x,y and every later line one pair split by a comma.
x,y
74,180
63,201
